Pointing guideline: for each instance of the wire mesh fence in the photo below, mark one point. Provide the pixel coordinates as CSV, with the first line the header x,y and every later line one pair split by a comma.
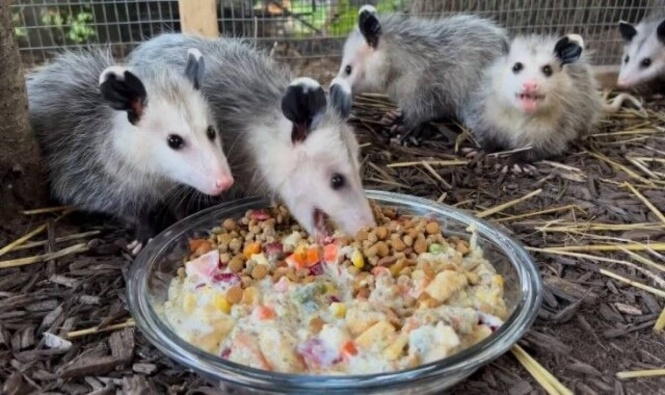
x,y
302,28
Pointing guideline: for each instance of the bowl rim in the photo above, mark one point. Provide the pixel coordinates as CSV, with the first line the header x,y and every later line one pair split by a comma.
x,y
160,335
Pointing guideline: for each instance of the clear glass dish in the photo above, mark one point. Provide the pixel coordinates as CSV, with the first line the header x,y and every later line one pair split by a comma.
x,y
154,267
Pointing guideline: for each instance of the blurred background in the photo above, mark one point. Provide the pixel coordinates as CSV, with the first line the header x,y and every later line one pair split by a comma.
x,y
308,34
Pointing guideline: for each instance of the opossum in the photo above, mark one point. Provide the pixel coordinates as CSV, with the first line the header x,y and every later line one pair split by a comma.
x,y
428,67
285,139
643,59
119,140
540,94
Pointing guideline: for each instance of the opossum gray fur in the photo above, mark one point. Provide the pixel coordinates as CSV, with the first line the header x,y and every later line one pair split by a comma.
x,y
643,59
542,94
120,141
427,66
284,139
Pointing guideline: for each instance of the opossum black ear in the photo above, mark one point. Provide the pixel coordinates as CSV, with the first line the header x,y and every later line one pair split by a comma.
x,y
568,49
660,31
627,31
369,25
505,47
303,104
123,91
340,97
195,67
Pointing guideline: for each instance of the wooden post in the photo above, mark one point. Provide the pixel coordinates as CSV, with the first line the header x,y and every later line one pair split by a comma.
x,y
606,76
199,17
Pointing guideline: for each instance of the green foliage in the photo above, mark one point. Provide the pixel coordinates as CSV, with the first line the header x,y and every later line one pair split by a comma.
x,y
75,27
19,31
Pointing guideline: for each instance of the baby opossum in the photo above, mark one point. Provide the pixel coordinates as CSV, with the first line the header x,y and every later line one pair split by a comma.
x,y
120,140
643,58
541,94
427,66
284,139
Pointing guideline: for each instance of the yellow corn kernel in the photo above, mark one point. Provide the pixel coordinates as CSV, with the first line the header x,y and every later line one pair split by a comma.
x,y
338,309
188,303
393,351
497,280
358,259
222,304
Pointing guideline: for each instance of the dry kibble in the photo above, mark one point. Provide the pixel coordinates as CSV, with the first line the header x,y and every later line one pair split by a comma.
x,y
462,247
302,273
414,233
361,235
398,245
308,279
473,278
246,281
382,249
370,252
316,324
236,264
229,224
291,275
372,237
363,293
420,246
259,272
235,245
387,261
234,295
225,258
381,232
408,240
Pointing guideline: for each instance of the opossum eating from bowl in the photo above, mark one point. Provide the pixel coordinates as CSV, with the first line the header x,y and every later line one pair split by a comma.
x,y
284,138
428,67
538,97
121,140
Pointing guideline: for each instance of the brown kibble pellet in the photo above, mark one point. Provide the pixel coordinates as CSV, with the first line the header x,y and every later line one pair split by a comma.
x,y
462,247
370,252
381,232
308,279
224,238
398,245
420,246
382,249
246,281
229,224
316,324
235,245
387,261
225,258
408,240
363,293
236,264
291,275
372,237
473,278
361,235
234,295
259,272
413,233
406,271
429,272
302,273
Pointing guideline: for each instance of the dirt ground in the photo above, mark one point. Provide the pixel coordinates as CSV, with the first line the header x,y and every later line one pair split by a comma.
x,y
590,326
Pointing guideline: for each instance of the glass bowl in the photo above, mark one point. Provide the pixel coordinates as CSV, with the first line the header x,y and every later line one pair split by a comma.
x,y
157,263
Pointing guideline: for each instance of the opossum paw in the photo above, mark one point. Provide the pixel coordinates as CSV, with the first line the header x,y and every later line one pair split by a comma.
x,y
392,117
136,246
471,153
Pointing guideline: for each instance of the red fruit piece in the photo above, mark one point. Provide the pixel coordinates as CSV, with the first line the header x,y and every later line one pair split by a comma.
x,y
260,215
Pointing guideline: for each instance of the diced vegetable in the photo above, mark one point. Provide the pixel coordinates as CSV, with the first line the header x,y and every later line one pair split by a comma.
x,y
348,349
260,215
229,279
331,253
264,312
260,259
195,244
316,270
313,256
338,309
251,249
204,266
222,304
357,259
436,248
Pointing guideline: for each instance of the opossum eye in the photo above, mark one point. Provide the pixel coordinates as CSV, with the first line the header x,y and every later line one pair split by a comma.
x,y
517,67
626,59
348,69
337,181
175,142
646,62
547,70
211,133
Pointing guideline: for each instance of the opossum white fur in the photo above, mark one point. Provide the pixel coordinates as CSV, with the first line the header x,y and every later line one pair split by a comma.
x,y
284,139
427,66
541,94
106,132
643,59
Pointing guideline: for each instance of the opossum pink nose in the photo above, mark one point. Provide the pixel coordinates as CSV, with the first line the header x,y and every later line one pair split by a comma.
x,y
529,86
224,183
622,83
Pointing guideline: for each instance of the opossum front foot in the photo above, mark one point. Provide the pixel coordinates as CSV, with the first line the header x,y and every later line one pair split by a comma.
x,y
392,117
518,168
136,246
471,153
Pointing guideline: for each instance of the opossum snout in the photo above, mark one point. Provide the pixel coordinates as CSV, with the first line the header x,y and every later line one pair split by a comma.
x,y
623,83
221,184
529,86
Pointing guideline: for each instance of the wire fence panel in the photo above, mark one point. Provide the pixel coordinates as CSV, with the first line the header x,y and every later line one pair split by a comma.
x,y
296,29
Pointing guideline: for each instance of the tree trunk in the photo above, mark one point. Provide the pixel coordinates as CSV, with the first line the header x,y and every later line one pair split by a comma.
x,y
22,183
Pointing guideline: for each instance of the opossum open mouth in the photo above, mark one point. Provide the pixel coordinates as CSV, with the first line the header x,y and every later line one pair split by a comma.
x,y
320,223
529,101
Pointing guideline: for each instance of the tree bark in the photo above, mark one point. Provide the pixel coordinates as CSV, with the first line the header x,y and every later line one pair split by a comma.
x,y
22,181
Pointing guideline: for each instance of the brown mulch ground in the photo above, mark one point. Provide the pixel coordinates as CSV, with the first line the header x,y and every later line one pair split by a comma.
x,y
591,326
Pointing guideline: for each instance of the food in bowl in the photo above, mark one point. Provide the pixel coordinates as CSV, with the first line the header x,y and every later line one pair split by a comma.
x,y
260,292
